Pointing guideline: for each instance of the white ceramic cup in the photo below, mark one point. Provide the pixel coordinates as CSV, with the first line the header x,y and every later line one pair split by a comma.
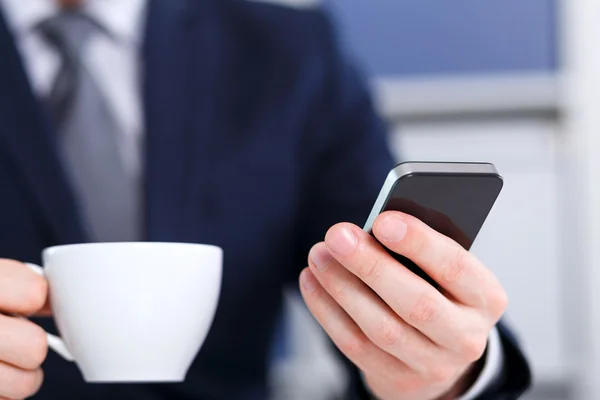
x,y
132,312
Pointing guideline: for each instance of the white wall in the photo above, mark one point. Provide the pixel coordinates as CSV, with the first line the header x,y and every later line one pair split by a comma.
x,y
581,122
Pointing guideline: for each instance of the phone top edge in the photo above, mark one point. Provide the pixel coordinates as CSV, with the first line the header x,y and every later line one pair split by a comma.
x,y
409,167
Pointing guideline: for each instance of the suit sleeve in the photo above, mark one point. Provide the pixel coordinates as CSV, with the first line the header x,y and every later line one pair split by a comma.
x,y
347,159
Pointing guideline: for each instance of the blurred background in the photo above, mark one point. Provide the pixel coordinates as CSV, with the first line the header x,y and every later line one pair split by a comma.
x,y
516,83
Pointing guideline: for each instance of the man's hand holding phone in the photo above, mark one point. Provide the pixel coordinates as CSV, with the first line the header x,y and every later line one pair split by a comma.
x,y
410,340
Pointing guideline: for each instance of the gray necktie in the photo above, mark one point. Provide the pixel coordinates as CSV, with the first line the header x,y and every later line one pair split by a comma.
x,y
109,198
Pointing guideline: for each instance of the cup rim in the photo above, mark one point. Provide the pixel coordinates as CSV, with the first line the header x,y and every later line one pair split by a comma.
x,y
140,244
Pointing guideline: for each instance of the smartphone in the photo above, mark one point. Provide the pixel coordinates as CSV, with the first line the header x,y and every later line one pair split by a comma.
x,y
452,198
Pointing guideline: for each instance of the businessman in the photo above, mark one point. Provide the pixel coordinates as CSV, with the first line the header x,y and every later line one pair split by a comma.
x,y
237,123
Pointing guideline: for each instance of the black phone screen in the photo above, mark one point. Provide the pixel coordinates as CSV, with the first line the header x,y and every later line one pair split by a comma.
x,y
454,205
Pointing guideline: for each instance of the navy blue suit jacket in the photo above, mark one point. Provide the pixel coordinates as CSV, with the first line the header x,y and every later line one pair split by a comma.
x,y
259,136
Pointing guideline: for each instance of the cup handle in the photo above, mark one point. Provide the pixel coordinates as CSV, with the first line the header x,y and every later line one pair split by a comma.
x,y
54,342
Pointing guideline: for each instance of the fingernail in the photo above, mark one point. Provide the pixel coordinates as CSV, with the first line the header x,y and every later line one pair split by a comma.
x,y
308,280
320,257
342,241
392,228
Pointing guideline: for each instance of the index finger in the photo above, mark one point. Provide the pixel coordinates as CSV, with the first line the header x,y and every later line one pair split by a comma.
x,y
455,269
22,291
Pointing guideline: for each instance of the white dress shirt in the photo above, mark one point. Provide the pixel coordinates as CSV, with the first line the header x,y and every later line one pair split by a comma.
x,y
115,64
113,60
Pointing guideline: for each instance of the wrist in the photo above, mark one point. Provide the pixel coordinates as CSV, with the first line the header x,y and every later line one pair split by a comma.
x,y
466,381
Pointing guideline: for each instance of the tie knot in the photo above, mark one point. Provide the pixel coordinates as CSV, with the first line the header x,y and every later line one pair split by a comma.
x,y
68,32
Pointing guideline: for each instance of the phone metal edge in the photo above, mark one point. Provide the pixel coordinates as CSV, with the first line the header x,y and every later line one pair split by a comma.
x,y
390,180
408,168
444,167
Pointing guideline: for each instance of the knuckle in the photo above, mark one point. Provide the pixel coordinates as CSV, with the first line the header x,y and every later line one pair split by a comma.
x,y
340,292
498,301
416,241
455,264
37,347
407,384
389,333
28,290
26,384
440,373
372,270
354,348
425,309
36,293
472,347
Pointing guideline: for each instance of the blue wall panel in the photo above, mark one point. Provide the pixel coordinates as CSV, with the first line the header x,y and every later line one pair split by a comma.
x,y
449,36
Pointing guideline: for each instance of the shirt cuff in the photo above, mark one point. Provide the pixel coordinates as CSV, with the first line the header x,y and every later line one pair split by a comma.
x,y
491,369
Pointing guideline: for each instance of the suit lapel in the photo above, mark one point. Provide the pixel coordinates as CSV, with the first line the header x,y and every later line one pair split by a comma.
x,y
25,142
180,77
